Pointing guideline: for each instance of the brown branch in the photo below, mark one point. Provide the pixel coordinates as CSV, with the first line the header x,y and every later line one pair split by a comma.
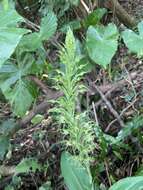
x,y
41,108
53,95
41,85
113,111
108,88
119,11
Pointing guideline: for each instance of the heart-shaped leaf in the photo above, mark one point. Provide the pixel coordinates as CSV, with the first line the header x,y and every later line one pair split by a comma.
x,y
133,40
102,43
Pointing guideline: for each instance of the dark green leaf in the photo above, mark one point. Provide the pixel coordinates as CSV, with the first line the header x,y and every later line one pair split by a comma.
x,y
94,17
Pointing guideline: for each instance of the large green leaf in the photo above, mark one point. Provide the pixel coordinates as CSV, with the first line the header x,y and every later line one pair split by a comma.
x,y
133,40
48,27
30,42
130,183
9,18
10,35
75,175
15,87
102,43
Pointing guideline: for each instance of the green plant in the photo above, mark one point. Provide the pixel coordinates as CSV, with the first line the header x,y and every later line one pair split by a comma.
x,y
33,41
27,165
79,178
10,34
24,53
102,43
134,41
77,128
14,81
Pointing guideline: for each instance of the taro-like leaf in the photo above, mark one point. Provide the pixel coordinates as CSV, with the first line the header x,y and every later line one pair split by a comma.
x,y
134,41
102,43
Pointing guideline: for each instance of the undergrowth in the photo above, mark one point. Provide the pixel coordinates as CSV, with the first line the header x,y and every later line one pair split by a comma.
x,y
87,147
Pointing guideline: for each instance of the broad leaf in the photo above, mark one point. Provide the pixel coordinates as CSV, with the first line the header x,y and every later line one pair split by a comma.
x,y
75,175
133,40
20,98
27,165
102,43
16,89
48,27
136,123
30,42
9,18
9,34
130,183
